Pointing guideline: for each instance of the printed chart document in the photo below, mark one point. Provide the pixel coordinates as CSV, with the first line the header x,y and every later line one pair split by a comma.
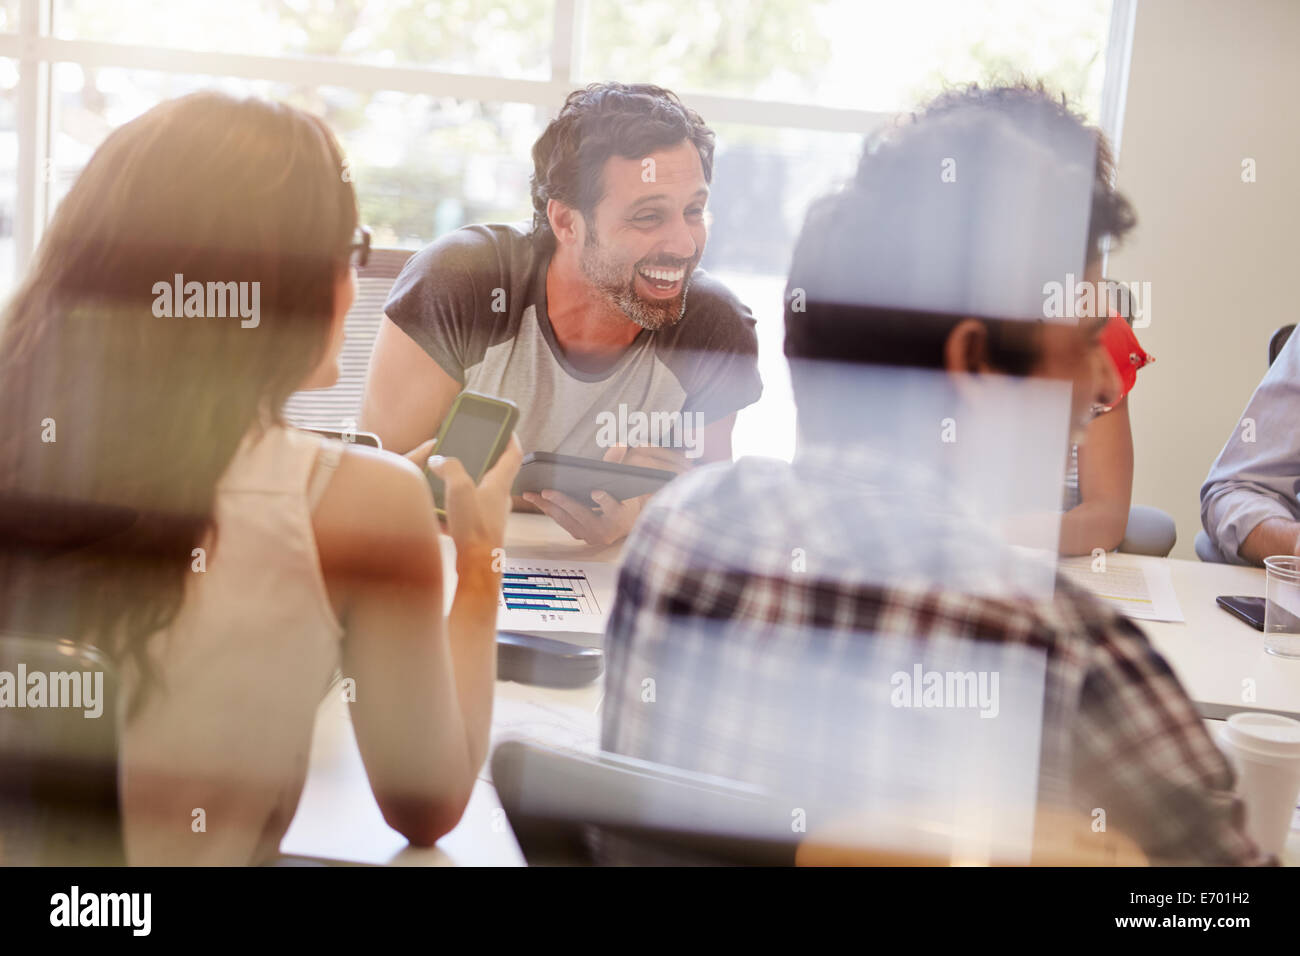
x,y
1138,587
555,596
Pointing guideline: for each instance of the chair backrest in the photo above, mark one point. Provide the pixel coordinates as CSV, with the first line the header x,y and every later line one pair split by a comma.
x,y
339,406
1278,340
572,809
58,764
1207,550
360,438
1149,531
575,809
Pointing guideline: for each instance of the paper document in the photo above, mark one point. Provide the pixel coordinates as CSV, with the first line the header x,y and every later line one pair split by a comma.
x,y
1138,587
555,596
524,713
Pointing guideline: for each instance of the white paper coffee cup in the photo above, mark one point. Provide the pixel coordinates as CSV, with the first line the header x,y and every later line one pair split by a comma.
x,y
1265,751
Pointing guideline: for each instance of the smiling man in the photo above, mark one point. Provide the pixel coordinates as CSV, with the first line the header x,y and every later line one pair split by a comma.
x,y
599,312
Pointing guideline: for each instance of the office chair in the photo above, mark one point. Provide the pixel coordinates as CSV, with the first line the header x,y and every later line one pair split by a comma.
x,y
369,439
575,810
1149,531
1278,340
58,767
338,408
1207,550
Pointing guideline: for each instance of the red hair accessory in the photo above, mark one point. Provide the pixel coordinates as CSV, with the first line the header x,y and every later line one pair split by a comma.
x,y
1122,345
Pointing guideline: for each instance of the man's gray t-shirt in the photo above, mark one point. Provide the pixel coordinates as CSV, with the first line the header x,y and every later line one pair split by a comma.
x,y
475,300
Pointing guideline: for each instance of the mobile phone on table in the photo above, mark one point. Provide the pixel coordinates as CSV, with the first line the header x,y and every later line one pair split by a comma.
x,y
475,432
1249,609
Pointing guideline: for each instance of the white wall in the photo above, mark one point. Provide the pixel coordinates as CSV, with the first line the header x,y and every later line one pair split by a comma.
x,y
1212,82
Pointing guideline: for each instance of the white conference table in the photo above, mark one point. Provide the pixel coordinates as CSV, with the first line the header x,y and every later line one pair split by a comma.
x,y
1213,654
337,816
1220,659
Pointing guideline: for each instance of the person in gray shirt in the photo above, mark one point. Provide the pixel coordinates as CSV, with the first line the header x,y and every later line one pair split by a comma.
x,y
596,321
1249,503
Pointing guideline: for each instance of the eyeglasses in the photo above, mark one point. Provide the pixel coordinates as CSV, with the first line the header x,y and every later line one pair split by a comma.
x,y
359,251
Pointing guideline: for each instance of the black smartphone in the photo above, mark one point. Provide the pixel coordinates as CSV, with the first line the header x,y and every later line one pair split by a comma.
x,y
1249,609
475,432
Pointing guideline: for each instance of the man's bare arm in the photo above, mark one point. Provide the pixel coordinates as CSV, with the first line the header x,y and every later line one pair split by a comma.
x,y
407,392
1271,536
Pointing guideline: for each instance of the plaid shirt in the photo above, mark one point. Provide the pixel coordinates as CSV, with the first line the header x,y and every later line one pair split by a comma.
x,y
741,592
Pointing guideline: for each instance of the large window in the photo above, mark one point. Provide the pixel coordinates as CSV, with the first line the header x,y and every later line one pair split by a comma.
x,y
493,37
422,164
8,166
879,55
437,102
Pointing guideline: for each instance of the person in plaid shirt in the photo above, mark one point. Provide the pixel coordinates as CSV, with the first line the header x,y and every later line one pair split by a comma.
x,y
758,600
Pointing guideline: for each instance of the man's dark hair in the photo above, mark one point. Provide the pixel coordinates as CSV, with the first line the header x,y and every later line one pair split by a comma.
x,y
884,269
600,121
1031,104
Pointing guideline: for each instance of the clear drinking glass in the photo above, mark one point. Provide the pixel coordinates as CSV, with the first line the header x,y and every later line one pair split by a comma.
x,y
1282,610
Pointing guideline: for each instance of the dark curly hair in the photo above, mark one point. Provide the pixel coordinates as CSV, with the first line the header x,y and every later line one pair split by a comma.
x,y
1032,105
600,121
862,249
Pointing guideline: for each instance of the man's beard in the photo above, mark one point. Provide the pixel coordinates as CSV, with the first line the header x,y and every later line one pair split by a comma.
x,y
608,277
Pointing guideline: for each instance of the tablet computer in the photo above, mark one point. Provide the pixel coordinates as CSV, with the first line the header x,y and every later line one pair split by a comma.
x,y
579,477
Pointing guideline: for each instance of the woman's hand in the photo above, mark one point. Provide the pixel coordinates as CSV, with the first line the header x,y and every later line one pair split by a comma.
x,y
476,515
418,455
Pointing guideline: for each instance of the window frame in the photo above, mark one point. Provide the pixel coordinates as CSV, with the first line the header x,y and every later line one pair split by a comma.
x,y
37,50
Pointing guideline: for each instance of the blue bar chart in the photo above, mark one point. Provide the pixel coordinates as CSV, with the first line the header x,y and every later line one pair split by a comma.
x,y
548,597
